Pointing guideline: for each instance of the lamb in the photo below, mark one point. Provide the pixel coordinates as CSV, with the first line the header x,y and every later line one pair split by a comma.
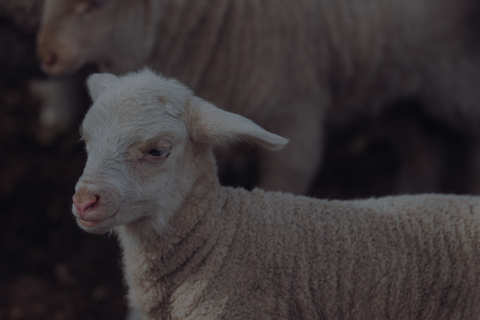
x,y
290,66
193,249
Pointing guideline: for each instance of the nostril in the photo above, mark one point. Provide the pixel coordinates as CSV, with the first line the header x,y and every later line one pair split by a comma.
x,y
84,205
50,60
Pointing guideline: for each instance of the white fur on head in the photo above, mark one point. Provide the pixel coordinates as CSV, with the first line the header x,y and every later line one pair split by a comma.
x,y
211,125
99,82
132,116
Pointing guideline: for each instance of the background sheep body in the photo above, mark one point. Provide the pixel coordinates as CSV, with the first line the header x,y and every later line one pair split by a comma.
x,y
196,250
289,66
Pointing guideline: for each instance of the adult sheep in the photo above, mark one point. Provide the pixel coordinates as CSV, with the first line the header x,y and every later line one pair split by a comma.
x,y
287,65
195,250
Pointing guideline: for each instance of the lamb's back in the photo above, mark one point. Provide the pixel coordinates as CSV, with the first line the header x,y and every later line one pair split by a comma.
x,y
388,258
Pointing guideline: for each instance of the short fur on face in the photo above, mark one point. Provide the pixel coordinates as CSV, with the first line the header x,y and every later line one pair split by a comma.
x,y
146,137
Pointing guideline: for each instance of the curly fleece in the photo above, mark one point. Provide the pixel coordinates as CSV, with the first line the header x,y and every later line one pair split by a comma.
x,y
234,254
196,250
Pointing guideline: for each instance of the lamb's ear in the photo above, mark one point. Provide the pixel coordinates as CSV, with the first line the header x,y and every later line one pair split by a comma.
x,y
98,82
211,125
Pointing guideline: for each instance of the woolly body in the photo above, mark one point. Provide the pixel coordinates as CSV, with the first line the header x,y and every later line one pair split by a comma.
x,y
196,250
287,65
239,255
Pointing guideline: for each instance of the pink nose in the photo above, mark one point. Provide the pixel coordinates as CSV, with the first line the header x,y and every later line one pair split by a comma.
x,y
83,205
48,61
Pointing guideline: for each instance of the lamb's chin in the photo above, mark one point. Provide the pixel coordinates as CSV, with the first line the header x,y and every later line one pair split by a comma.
x,y
97,227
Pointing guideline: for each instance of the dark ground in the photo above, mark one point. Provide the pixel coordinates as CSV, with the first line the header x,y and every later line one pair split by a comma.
x,y
49,269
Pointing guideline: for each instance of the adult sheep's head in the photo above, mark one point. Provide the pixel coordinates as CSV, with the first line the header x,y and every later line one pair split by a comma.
x,y
116,33
146,139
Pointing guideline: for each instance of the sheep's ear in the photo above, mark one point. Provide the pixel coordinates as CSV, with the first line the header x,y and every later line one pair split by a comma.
x,y
98,82
211,125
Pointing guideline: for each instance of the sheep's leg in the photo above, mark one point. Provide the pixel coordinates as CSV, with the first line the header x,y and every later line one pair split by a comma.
x,y
60,106
236,166
421,167
472,172
422,156
293,168
454,97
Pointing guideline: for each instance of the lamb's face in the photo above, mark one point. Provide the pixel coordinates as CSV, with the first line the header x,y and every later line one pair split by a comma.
x,y
76,32
138,147
146,138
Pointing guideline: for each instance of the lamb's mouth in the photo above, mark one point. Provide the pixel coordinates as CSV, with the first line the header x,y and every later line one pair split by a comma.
x,y
92,223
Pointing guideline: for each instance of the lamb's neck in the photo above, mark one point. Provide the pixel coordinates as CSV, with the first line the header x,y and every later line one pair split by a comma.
x,y
197,212
163,261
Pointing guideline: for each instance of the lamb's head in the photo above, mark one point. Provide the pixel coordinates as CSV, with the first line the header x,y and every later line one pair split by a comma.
x,y
147,138
119,34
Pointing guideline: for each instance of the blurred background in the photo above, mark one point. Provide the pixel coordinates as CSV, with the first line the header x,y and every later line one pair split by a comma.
x,y
50,269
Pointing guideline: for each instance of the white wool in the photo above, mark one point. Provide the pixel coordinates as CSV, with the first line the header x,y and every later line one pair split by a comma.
x,y
195,250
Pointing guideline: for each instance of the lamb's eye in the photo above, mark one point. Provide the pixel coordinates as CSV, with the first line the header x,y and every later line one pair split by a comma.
x,y
158,152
